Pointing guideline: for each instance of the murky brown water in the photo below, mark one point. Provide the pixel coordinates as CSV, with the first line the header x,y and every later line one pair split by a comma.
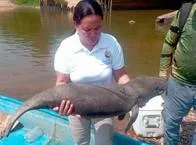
x,y
30,37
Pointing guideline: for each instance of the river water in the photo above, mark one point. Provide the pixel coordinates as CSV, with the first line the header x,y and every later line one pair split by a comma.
x,y
30,37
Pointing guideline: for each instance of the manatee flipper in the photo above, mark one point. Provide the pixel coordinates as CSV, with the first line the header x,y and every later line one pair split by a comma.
x,y
121,117
133,117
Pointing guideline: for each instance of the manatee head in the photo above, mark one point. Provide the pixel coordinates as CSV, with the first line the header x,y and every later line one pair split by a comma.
x,y
148,87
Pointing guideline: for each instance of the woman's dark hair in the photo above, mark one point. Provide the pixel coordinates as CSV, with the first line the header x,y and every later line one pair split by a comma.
x,y
85,8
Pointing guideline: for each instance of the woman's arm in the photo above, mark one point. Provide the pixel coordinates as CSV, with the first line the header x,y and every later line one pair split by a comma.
x,y
66,107
62,78
121,76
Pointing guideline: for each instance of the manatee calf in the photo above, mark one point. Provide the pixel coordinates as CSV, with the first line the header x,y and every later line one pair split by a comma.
x,y
93,101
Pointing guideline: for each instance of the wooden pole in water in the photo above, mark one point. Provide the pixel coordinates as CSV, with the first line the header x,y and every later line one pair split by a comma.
x,y
105,5
110,6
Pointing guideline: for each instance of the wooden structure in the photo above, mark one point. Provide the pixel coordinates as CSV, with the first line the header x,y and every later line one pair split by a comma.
x,y
70,4
166,18
108,5
58,4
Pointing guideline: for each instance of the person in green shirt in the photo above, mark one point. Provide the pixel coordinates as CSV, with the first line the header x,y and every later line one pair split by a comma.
x,y
178,65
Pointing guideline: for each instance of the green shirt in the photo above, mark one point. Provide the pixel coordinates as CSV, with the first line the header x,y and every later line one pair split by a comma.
x,y
180,60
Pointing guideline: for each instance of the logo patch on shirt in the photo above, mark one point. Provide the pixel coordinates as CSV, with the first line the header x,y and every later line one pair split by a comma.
x,y
108,54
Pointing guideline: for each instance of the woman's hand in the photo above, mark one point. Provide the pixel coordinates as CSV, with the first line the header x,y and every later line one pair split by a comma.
x,y
66,108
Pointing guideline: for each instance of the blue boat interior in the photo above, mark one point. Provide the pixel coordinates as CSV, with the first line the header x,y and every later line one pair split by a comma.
x,y
46,127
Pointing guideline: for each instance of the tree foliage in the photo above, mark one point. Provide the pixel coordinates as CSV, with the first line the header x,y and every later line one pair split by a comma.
x,y
30,2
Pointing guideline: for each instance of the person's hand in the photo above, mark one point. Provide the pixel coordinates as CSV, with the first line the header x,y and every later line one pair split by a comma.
x,y
66,108
164,75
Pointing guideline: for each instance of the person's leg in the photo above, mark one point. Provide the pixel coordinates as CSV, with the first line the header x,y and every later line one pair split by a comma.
x,y
80,129
194,138
103,131
177,104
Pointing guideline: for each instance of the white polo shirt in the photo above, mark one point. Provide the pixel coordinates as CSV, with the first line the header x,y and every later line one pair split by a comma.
x,y
86,66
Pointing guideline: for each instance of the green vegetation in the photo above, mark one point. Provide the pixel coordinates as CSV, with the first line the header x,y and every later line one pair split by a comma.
x,y
28,2
36,2
63,2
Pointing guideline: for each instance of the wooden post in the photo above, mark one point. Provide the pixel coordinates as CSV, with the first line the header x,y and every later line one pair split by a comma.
x,y
105,5
110,6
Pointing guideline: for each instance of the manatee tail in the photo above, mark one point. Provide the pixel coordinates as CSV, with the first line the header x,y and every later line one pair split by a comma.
x,y
14,117
35,102
133,117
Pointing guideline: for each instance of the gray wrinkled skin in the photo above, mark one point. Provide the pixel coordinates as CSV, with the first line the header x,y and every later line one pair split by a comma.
x,y
93,101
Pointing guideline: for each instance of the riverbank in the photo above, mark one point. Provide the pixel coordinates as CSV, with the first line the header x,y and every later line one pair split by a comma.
x,y
6,5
